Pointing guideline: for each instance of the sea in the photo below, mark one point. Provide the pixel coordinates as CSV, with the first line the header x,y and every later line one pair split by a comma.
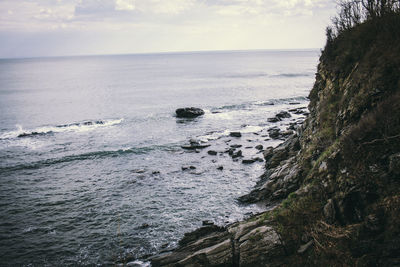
x,y
92,169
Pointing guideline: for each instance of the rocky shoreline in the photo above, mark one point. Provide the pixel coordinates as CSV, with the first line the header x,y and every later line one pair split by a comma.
x,y
243,242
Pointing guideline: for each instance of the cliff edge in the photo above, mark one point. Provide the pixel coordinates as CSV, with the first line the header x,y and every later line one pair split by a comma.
x,y
338,177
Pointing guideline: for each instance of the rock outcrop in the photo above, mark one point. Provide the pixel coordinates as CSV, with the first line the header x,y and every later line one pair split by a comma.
x,y
248,243
189,112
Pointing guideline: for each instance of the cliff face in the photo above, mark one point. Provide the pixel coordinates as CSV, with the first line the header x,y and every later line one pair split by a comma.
x,y
338,177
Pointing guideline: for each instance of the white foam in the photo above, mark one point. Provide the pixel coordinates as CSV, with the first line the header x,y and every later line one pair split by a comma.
x,y
138,263
251,129
78,127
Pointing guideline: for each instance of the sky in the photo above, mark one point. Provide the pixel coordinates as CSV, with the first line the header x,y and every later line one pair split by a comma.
x,y
34,28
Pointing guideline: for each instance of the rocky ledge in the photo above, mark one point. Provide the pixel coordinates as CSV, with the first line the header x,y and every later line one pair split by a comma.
x,y
245,243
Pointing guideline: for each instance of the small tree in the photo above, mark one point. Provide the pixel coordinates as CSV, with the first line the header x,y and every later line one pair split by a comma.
x,y
354,12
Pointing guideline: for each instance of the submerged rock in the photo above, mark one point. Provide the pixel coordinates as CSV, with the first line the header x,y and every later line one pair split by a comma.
x,y
194,145
191,112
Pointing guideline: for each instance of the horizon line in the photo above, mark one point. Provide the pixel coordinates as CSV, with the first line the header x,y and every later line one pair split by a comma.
x,y
164,53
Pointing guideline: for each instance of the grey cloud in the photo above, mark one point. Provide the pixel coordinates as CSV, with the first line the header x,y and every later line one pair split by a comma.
x,y
89,7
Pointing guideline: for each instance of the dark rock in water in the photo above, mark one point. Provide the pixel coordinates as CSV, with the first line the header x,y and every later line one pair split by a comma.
x,y
155,172
230,151
184,168
207,222
165,245
33,134
248,161
283,114
235,146
235,134
220,168
274,133
259,147
189,112
138,171
274,119
292,126
212,152
144,226
258,159
237,154
195,145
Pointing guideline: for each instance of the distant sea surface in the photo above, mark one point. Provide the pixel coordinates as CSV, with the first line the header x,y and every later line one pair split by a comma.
x,y
90,151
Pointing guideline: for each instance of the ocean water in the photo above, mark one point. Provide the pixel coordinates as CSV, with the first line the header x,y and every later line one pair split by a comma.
x,y
90,150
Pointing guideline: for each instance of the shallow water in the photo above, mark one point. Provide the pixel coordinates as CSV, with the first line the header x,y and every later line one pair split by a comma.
x,y
90,151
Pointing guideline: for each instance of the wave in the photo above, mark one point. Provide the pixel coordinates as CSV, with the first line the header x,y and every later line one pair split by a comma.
x,y
263,74
73,127
246,75
89,156
293,75
219,134
250,105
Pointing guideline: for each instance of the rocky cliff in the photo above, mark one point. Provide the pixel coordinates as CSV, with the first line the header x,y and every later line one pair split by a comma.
x,y
338,177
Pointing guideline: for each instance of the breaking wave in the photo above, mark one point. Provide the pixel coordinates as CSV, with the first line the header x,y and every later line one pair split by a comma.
x,y
90,156
73,127
250,105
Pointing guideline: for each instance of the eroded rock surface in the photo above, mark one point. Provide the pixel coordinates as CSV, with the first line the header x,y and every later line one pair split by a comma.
x,y
248,243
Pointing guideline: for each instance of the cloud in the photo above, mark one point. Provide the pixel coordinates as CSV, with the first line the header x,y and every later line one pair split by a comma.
x,y
165,25
124,5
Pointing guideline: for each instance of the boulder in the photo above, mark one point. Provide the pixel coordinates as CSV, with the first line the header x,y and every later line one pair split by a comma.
x,y
248,161
237,154
274,133
273,119
283,114
189,112
212,152
235,134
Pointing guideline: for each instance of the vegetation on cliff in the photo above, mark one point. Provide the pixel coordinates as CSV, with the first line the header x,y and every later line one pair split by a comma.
x,y
348,201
